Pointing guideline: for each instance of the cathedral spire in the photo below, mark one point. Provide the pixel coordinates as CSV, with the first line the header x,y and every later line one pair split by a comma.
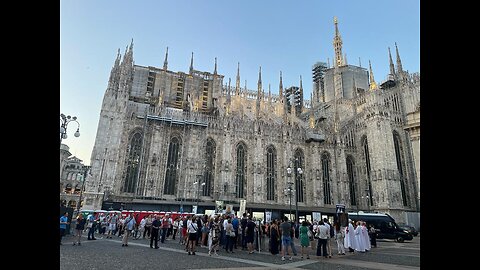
x,y
328,62
191,64
345,59
114,73
280,88
259,92
237,84
373,85
354,85
269,94
301,94
392,68
119,57
245,89
301,87
259,89
399,61
215,69
337,44
165,63
359,62
228,89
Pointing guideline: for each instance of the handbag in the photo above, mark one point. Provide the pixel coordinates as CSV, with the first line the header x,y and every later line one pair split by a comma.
x,y
232,233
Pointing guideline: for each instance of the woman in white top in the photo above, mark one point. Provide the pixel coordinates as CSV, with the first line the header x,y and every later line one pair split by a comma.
x,y
192,229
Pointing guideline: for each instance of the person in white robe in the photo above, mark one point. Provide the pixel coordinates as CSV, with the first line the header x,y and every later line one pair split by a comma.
x,y
349,240
366,237
359,238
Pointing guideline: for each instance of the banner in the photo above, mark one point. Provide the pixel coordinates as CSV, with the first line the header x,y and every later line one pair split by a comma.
x,y
316,216
340,208
194,209
218,206
243,205
268,217
229,209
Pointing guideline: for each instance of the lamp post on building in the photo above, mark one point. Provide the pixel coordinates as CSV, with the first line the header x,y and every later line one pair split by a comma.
x,y
367,197
85,170
64,121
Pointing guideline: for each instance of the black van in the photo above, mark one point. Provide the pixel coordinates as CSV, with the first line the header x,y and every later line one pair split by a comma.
x,y
384,224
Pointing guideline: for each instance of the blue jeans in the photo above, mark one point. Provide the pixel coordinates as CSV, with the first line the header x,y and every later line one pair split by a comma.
x,y
164,232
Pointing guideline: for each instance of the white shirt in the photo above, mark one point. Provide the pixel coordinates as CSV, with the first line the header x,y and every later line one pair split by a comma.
x,y
143,222
225,222
192,227
328,227
323,232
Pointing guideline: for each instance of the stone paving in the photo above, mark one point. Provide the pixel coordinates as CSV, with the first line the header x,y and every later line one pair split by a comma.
x,y
109,254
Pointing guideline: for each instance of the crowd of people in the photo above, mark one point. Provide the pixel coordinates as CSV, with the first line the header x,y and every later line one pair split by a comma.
x,y
228,232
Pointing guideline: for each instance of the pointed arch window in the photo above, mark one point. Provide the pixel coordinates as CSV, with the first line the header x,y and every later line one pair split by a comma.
x,y
241,171
209,167
299,182
366,155
271,176
351,180
398,156
327,197
132,162
172,166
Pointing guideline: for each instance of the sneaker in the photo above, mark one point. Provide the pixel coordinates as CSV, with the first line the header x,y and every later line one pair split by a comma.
x,y
283,258
308,257
291,258
301,257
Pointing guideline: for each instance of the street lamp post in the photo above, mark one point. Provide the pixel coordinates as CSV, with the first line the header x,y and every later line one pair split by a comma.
x,y
297,179
198,188
64,120
85,170
289,189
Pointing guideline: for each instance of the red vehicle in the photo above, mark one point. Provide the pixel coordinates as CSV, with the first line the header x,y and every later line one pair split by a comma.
x,y
140,214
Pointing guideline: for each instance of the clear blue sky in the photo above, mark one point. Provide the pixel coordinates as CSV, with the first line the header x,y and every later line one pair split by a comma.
x,y
278,35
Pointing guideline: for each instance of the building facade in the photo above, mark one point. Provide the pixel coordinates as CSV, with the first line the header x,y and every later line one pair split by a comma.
x,y
170,140
72,172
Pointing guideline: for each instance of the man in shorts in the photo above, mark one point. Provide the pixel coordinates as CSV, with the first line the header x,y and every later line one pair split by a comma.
x,y
286,229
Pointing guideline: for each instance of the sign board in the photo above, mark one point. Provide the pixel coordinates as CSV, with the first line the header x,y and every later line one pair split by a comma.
x,y
218,206
229,209
243,205
194,209
340,208
268,217
316,216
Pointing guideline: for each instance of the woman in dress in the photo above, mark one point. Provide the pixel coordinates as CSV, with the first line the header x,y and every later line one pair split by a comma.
x,y
304,238
274,238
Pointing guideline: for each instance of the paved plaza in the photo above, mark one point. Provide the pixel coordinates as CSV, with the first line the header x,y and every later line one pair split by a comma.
x,y
109,254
